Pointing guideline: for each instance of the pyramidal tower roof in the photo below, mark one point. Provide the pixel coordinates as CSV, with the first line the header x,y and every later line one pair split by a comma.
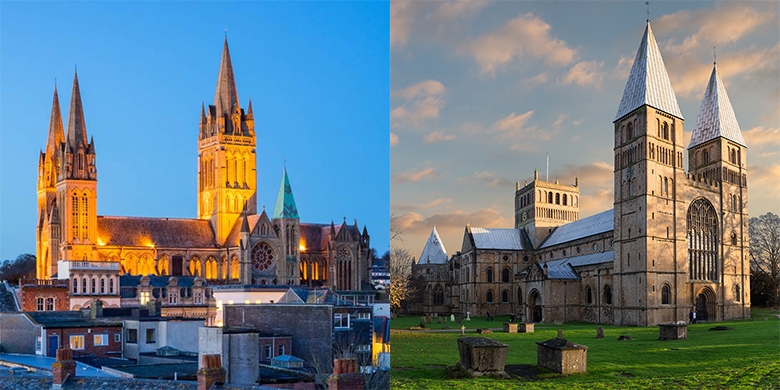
x,y
285,202
716,116
434,251
648,83
77,129
56,134
226,92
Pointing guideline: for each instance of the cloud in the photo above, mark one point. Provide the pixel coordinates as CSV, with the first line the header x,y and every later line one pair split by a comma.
x,y
414,175
405,207
452,222
402,15
585,73
513,125
423,102
438,136
529,83
393,139
454,10
764,180
487,179
759,137
421,89
526,37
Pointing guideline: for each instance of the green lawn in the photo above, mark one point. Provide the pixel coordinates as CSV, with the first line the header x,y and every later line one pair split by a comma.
x,y
747,356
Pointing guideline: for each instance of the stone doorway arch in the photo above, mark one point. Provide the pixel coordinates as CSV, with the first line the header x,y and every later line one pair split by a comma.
x,y
705,305
535,306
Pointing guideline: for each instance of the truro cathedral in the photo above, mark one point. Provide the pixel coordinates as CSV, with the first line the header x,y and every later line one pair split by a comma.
x,y
228,243
675,241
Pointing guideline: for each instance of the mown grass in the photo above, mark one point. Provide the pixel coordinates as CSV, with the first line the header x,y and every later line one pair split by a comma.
x,y
747,356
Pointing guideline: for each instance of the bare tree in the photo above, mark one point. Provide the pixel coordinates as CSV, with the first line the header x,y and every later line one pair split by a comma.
x,y
400,268
396,233
765,249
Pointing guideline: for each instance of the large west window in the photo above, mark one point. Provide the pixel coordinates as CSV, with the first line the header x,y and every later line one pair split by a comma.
x,y
702,240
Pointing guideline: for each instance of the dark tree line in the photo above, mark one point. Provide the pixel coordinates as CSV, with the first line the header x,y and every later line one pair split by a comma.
x,y
23,267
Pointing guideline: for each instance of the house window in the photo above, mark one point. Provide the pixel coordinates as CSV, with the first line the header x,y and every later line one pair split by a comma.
x,y
111,286
150,336
92,283
281,350
100,340
77,341
132,336
117,337
49,304
38,343
198,298
173,298
102,286
269,353
341,320
75,285
666,292
145,297
364,316
84,285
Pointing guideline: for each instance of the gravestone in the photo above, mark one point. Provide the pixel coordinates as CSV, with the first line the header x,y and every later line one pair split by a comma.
x,y
510,327
560,333
527,328
452,317
463,330
674,331
484,331
422,321
600,332
430,319
439,319
482,356
562,356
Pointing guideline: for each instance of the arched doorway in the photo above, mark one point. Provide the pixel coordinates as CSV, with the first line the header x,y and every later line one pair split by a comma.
x,y
535,306
705,305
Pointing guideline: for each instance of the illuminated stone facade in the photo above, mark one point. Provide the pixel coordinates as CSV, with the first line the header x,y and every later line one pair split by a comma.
x,y
228,242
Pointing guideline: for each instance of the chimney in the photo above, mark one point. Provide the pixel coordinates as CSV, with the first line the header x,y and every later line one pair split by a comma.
x,y
345,375
62,368
211,371
96,309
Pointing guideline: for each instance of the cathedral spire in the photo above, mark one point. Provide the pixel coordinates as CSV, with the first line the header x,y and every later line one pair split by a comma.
x,y
434,251
285,202
77,129
648,83
226,92
716,116
56,135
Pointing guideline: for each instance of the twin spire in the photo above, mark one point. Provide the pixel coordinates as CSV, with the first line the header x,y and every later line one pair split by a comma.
x,y
716,115
76,130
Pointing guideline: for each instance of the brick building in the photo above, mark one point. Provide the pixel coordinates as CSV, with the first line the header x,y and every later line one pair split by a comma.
x,y
44,295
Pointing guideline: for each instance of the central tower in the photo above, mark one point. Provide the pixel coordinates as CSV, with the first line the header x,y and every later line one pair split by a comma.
x,y
227,176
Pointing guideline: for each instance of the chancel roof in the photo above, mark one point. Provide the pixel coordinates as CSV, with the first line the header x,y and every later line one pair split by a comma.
x,y
434,251
491,238
595,224
648,83
716,116
157,232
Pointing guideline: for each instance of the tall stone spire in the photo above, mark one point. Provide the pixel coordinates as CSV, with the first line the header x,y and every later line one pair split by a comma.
x,y
285,202
226,91
56,135
648,83
434,251
716,116
77,128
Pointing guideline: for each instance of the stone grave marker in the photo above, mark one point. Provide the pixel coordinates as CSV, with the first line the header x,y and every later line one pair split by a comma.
x,y
562,356
483,356
674,331
600,332
560,333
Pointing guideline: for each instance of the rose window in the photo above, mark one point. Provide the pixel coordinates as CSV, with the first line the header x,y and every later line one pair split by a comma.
x,y
262,256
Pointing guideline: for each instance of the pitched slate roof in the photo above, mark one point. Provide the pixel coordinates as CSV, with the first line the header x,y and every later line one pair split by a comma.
x,y
316,236
234,237
648,83
285,202
595,224
160,232
434,251
716,116
564,268
490,238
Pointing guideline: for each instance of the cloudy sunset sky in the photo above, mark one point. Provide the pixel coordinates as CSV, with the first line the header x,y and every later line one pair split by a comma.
x,y
482,92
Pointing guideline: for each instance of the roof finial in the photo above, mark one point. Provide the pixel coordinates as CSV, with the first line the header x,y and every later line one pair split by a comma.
x,y
714,56
225,32
647,3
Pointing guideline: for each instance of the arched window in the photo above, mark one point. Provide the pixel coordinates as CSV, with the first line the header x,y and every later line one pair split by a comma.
x,y
93,285
666,293
608,295
629,131
489,273
111,285
733,238
733,156
102,285
589,294
557,198
706,156
75,285
489,297
519,294
702,234
665,130
505,296
564,199
84,285
505,275
549,197
438,295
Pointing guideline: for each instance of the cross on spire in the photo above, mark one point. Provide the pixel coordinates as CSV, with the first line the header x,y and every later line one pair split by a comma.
x,y
714,56
647,3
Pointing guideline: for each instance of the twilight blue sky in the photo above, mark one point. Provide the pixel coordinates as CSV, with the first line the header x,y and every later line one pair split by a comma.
x,y
317,74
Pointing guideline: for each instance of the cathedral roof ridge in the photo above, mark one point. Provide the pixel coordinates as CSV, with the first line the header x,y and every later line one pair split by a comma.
x,y
716,116
648,82
585,227
140,218
434,251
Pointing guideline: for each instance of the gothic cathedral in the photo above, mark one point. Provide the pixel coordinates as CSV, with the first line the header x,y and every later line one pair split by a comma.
x,y
228,243
674,242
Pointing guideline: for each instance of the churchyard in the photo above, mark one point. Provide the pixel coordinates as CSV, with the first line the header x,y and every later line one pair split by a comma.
x,y
745,356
